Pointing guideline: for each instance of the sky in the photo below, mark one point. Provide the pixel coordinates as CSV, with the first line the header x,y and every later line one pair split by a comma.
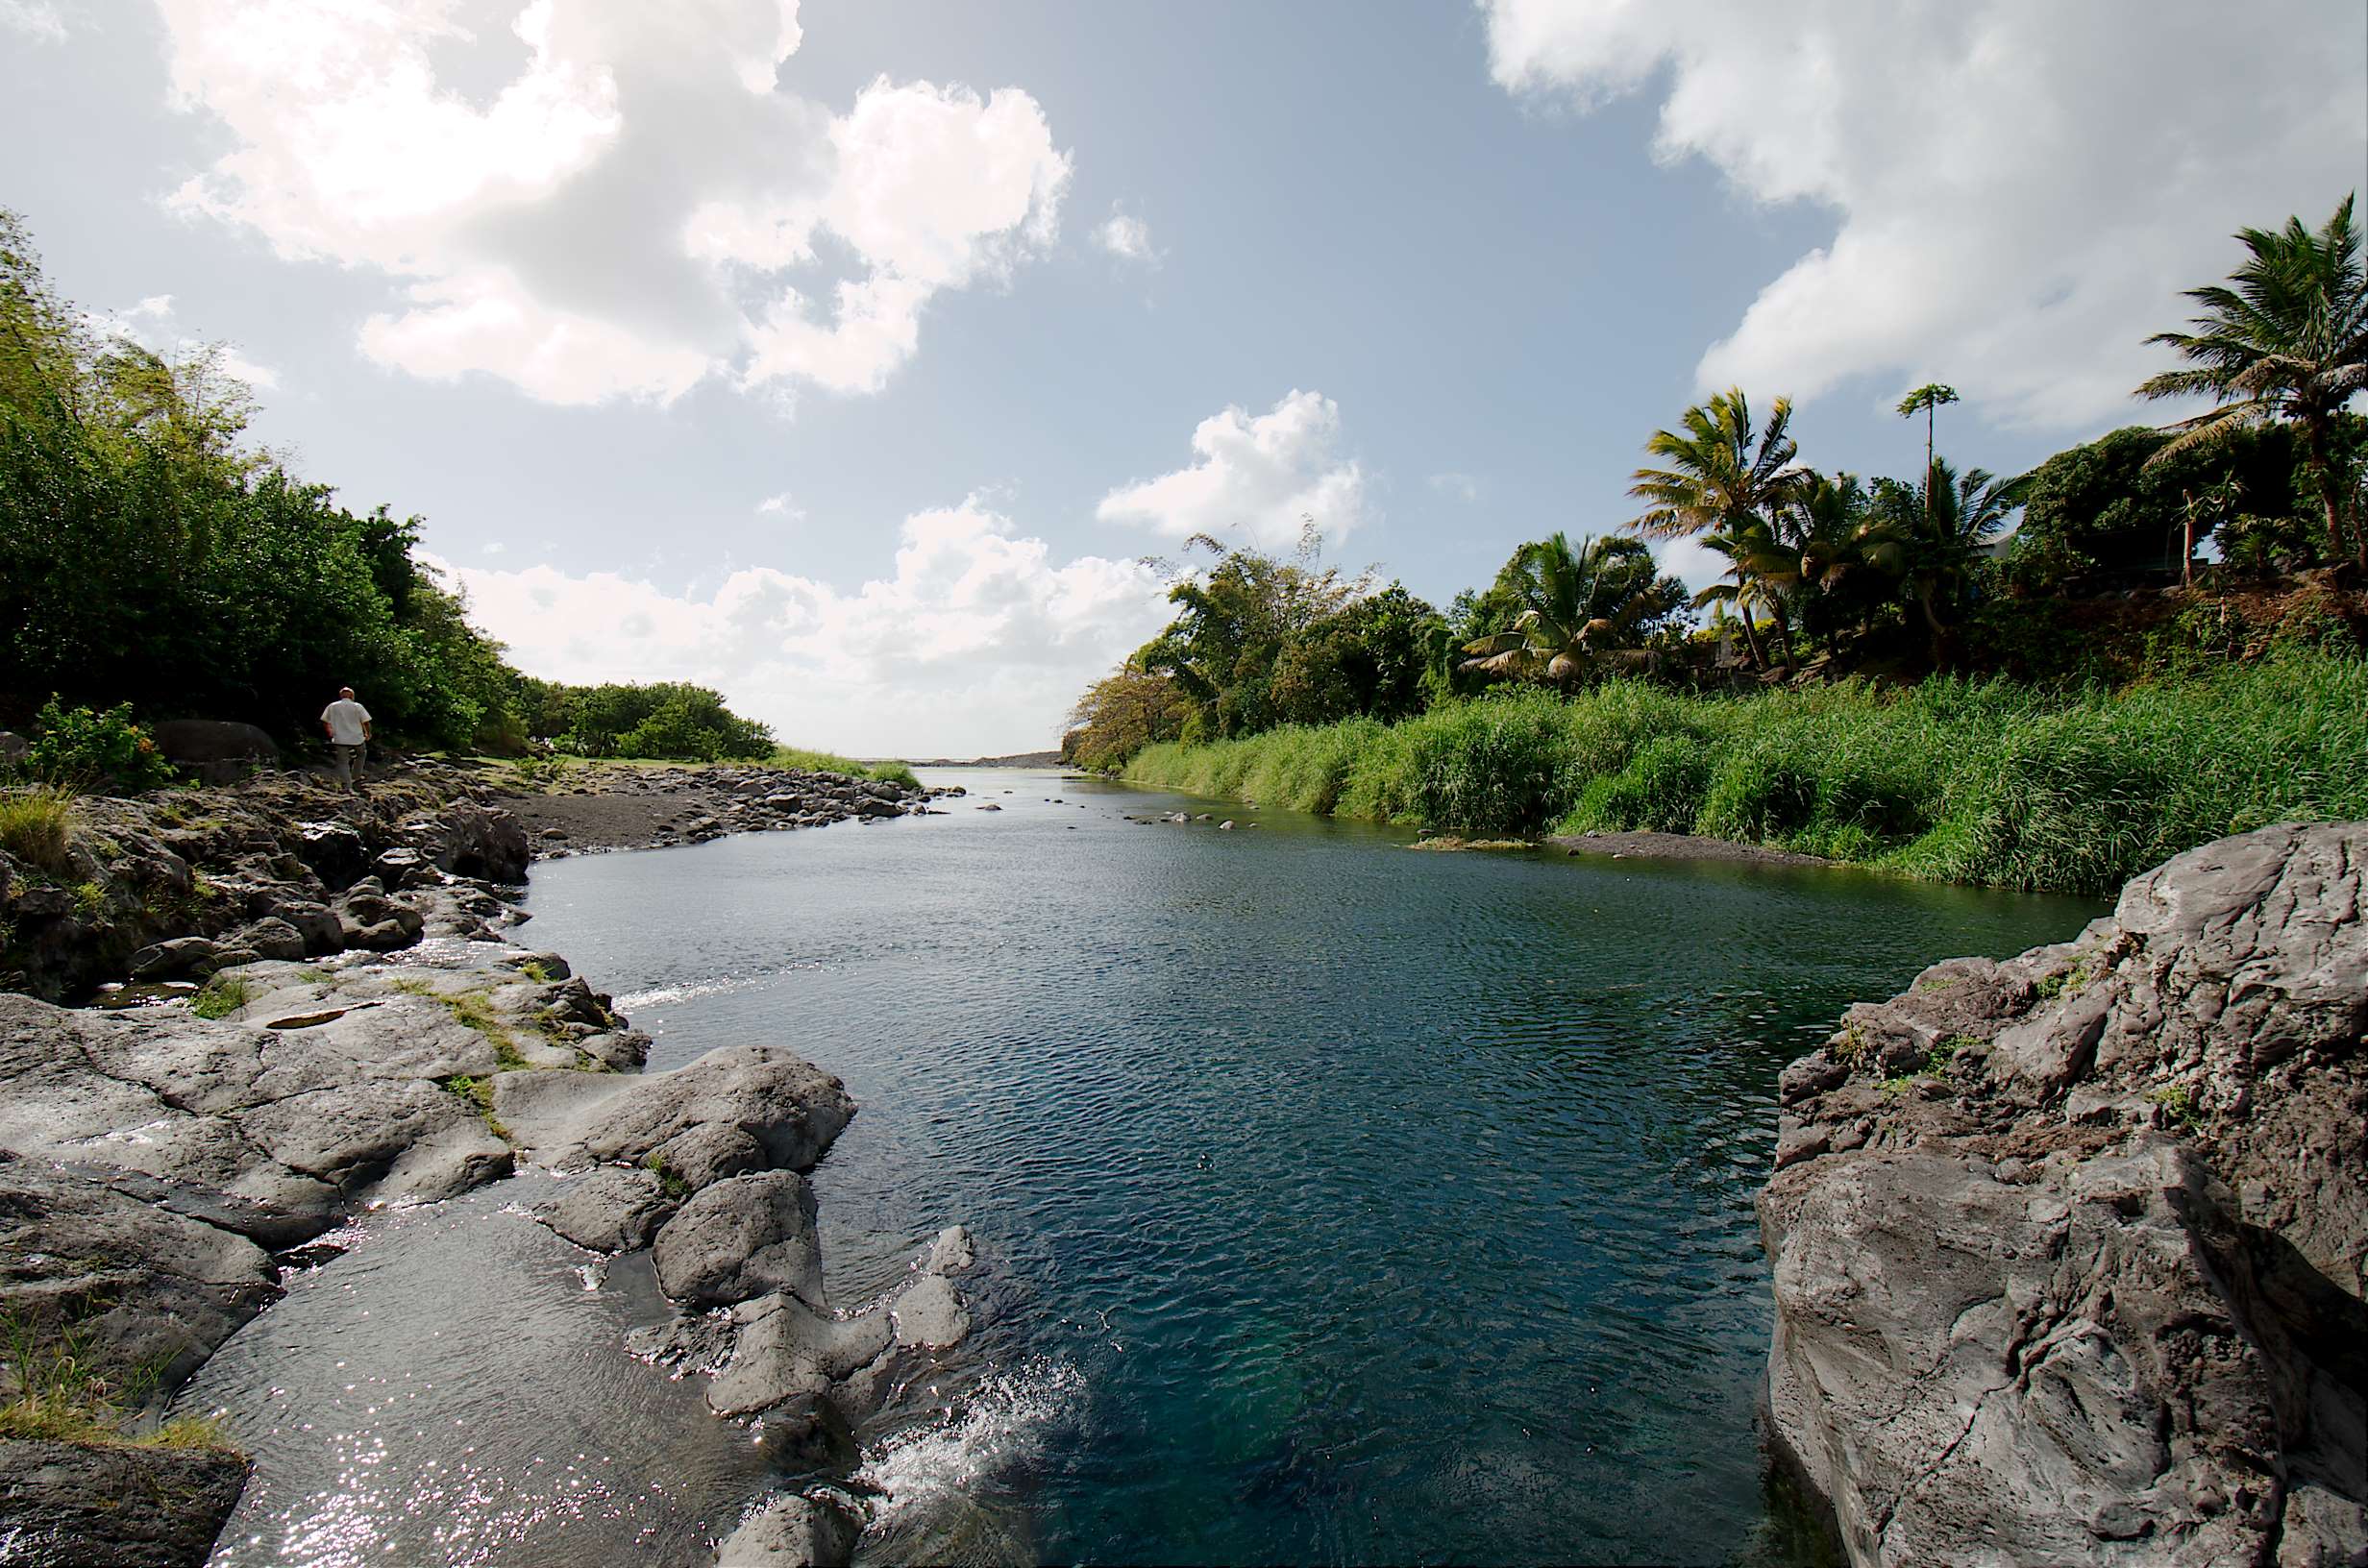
x,y
851,355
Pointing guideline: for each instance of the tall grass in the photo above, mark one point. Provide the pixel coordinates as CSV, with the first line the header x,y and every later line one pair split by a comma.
x,y
1965,781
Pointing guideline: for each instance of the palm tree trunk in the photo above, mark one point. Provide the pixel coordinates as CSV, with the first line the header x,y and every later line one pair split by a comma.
x,y
1783,634
1751,637
1932,620
2315,438
2187,554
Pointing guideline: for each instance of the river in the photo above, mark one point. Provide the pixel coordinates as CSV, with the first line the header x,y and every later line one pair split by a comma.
x,y
1336,1202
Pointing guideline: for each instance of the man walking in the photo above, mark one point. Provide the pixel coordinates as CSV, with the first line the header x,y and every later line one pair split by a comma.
x,y
348,723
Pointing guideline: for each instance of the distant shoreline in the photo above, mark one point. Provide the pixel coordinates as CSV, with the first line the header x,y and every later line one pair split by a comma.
x,y
1018,759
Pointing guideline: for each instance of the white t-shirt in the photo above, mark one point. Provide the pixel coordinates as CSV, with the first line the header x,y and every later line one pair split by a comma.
x,y
345,718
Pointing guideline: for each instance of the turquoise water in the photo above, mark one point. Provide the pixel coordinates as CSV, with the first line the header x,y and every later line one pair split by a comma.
x,y
1337,1202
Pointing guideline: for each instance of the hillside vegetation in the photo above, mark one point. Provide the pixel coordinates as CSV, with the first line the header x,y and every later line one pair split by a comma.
x,y
152,555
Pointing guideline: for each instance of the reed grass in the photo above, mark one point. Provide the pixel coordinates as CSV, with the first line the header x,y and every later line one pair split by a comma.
x,y
1980,781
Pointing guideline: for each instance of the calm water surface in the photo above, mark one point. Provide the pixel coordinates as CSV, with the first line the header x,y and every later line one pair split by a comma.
x,y
1336,1202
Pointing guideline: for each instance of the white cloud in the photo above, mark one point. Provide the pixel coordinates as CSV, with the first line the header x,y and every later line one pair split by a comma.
x,y
1126,237
977,643
34,18
1463,487
2021,188
1257,477
782,505
1691,562
591,226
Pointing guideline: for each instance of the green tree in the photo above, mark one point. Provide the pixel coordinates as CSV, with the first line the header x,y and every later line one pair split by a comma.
x,y
1828,560
1233,624
2285,338
1584,609
1368,657
2117,505
1758,574
1120,714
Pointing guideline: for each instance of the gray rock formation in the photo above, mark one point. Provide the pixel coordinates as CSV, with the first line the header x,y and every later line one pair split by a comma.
x,y
744,1237
792,1532
2069,1250
739,1108
158,1165
611,1210
65,1506
218,752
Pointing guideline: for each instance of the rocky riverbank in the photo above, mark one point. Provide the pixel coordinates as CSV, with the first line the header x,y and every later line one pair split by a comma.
x,y
2070,1250
365,1033
590,807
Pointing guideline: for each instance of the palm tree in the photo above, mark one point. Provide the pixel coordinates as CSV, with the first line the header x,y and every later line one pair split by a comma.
x,y
2288,340
1725,479
1756,565
1923,401
1836,541
1721,474
1941,528
1584,607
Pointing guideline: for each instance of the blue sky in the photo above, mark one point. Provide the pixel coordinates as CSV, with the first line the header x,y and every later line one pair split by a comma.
x,y
845,355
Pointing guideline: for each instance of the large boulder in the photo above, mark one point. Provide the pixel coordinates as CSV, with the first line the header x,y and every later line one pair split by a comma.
x,y
738,1109
77,1505
470,839
792,1532
749,1236
2069,1249
218,752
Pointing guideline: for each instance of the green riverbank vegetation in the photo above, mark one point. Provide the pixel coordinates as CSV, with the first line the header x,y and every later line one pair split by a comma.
x,y
1966,780
155,563
2045,681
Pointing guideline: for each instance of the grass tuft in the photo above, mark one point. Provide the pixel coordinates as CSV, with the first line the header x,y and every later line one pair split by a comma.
x,y
477,1093
223,995
64,1392
37,826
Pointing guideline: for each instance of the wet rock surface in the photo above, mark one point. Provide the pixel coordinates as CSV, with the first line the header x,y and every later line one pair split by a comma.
x,y
365,1034
792,1532
2069,1250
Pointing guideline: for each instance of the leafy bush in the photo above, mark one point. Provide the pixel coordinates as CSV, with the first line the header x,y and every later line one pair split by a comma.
x,y
663,719
83,747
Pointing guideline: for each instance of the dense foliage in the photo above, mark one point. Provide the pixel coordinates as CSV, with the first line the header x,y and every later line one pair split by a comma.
x,y
1989,781
152,560
663,719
